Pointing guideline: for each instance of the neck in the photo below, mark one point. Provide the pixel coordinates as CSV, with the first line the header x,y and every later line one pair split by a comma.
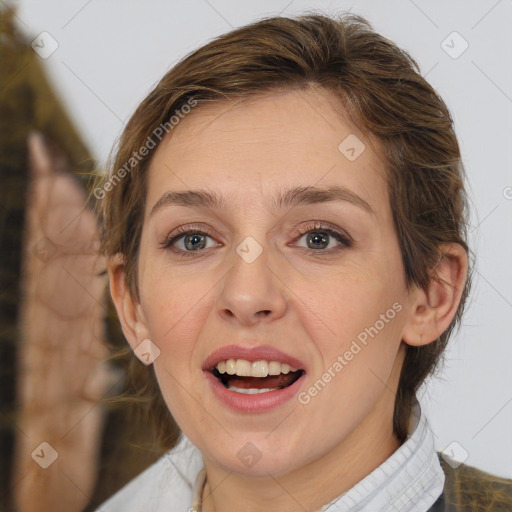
x,y
312,486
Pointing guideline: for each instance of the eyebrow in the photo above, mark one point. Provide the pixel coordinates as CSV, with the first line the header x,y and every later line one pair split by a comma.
x,y
292,197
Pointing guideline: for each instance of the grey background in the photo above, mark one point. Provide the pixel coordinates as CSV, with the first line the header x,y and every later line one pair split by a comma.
x,y
111,53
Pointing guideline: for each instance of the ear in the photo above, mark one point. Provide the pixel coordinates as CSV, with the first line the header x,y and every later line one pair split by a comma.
x,y
432,310
128,308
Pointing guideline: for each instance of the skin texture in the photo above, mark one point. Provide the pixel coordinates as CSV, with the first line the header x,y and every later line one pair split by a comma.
x,y
307,304
62,376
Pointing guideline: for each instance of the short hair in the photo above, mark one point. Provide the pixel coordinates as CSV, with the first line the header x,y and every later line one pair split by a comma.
x,y
381,90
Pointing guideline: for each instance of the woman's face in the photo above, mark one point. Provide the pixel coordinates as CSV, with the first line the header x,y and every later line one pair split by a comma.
x,y
309,278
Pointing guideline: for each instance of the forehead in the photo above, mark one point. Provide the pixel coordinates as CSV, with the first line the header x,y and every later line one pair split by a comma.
x,y
266,144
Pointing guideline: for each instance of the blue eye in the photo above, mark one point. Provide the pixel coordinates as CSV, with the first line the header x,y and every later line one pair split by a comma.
x,y
318,237
194,241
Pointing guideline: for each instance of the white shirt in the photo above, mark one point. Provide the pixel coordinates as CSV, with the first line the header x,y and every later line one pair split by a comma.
x,y
410,480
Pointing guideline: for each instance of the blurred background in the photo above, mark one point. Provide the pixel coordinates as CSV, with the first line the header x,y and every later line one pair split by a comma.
x,y
101,58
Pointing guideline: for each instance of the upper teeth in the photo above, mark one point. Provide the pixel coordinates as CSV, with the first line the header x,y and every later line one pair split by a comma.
x,y
244,368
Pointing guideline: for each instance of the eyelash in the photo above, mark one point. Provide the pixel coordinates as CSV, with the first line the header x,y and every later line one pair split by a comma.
x,y
182,231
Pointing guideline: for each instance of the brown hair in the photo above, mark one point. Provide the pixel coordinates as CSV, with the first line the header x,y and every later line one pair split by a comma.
x,y
382,91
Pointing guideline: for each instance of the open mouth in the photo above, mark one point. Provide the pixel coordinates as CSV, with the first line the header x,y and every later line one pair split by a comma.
x,y
250,378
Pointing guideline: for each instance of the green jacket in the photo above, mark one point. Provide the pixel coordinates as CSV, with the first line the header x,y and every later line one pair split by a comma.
x,y
468,489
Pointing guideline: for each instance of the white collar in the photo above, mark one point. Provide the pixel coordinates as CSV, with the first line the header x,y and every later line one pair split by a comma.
x,y
410,480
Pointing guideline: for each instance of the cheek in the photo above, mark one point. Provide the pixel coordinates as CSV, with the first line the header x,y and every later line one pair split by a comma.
x,y
342,304
174,313
357,363
175,318
355,320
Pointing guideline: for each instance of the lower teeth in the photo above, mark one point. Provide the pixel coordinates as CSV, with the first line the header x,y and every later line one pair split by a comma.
x,y
251,391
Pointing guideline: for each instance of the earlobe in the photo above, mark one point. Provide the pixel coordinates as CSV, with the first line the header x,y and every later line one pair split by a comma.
x,y
432,310
128,309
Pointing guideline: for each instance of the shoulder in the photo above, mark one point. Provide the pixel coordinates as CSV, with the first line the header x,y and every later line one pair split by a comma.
x,y
469,488
164,486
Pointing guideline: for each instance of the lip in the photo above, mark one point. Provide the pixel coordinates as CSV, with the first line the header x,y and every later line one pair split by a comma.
x,y
260,353
263,402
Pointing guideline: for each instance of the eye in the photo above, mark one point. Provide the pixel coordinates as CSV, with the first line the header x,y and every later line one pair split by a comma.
x,y
319,238
185,241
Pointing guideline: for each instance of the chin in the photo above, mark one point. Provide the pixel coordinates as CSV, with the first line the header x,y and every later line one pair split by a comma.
x,y
257,464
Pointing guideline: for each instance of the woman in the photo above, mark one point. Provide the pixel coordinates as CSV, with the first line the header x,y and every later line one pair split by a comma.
x,y
285,226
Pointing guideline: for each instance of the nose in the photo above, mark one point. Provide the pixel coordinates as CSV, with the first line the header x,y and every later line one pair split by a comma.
x,y
251,291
